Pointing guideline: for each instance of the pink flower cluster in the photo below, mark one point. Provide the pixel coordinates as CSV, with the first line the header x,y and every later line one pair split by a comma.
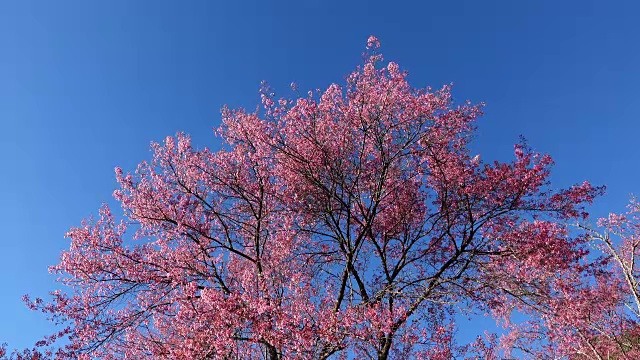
x,y
350,222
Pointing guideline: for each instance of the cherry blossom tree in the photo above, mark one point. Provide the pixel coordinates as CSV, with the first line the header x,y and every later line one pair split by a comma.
x,y
350,223
620,242
597,316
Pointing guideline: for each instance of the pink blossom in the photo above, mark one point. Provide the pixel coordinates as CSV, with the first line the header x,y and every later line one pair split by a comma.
x,y
352,222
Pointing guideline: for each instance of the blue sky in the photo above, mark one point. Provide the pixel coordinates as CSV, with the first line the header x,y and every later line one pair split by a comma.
x,y
85,86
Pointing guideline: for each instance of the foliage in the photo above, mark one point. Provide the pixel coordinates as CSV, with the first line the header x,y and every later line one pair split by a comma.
x,y
352,222
609,323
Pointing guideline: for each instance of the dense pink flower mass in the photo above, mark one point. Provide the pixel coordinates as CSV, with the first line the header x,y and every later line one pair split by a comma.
x,y
606,319
350,223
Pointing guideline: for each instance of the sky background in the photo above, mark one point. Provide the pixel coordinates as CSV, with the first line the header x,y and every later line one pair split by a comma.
x,y
86,86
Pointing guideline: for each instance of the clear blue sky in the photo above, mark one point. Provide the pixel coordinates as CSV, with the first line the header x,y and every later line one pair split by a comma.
x,y
85,86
